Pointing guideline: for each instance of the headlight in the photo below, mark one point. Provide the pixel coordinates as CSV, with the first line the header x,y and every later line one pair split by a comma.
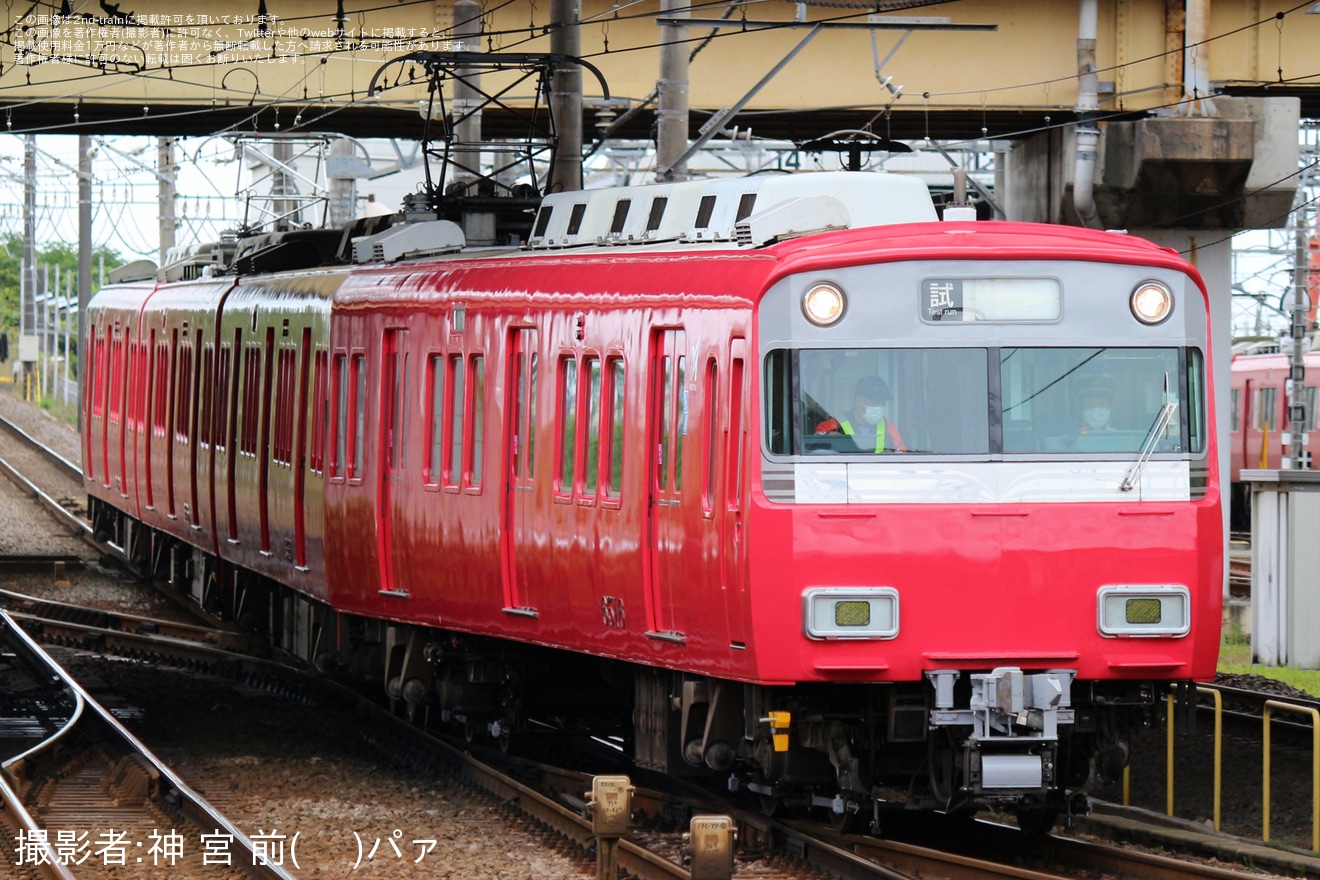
x,y
823,304
1151,302
851,612
1144,611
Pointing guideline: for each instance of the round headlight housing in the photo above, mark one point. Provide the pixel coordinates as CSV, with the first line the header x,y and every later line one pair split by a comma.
x,y
823,304
1152,302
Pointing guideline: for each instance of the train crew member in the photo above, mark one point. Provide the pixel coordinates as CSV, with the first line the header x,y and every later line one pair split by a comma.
x,y
867,423
1095,410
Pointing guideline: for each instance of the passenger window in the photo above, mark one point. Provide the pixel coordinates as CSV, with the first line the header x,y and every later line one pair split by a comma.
x,y
682,392
282,449
435,377
1263,416
711,417
457,399
207,392
1195,401
359,372
339,454
221,418
478,430
183,399
320,414
567,425
614,463
162,389
251,400
591,471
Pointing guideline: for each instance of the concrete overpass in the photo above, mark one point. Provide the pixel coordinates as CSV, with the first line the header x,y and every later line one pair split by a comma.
x,y
150,66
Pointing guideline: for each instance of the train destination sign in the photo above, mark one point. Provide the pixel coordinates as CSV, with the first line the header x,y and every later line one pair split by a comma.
x,y
991,299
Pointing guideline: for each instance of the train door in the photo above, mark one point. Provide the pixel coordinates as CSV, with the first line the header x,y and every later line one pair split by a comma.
x,y
393,452
520,466
262,410
667,409
732,540
227,423
120,357
300,452
189,400
154,385
171,422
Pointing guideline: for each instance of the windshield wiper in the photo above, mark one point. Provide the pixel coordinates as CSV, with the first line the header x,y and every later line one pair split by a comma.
x,y
1162,419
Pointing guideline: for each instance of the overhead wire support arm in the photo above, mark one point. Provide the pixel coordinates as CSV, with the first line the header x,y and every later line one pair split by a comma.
x,y
485,62
467,67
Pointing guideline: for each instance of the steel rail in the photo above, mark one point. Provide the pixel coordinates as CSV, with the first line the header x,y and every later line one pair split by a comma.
x,y
76,524
16,817
191,805
58,460
51,612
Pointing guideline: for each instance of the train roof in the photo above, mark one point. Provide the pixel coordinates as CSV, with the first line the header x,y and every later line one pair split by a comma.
x,y
1248,363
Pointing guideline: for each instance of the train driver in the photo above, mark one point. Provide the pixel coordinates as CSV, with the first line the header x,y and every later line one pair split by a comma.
x,y
868,422
1096,404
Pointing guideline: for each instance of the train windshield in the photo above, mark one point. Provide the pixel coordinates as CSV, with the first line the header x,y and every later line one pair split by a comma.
x,y
982,402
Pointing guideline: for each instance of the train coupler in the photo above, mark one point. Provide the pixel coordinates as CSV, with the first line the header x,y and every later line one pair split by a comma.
x,y
1014,720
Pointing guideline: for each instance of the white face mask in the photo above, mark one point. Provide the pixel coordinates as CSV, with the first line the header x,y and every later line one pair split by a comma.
x,y
874,414
1096,417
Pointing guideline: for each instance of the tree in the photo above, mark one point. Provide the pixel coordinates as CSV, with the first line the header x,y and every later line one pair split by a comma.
x,y
61,253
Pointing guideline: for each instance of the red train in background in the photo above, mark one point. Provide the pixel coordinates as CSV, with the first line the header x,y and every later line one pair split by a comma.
x,y
580,482
1259,416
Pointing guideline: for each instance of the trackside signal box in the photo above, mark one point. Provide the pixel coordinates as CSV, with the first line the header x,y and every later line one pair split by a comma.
x,y
711,844
610,801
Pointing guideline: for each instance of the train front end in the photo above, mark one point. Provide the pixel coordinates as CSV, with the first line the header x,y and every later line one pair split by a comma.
x,y
988,537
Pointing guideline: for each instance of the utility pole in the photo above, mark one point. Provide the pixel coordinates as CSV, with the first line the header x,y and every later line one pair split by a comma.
x,y
165,174
84,253
27,341
1295,438
566,96
672,115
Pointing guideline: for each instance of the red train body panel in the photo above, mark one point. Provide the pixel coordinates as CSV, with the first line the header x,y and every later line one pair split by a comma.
x,y
611,452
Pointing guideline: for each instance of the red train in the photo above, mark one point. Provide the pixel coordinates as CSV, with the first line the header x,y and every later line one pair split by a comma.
x,y
591,481
1259,417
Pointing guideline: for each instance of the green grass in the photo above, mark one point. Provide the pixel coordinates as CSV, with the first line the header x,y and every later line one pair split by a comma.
x,y
1235,657
62,411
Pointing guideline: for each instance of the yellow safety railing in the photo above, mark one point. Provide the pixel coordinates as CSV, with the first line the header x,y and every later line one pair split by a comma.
x,y
1315,768
1219,754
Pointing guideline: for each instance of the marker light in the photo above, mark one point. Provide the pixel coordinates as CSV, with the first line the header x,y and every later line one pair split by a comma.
x,y
823,304
1151,302
850,612
1127,611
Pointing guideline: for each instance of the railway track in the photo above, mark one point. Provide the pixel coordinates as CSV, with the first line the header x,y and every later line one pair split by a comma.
x,y
54,481
105,629
779,849
90,796
655,848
